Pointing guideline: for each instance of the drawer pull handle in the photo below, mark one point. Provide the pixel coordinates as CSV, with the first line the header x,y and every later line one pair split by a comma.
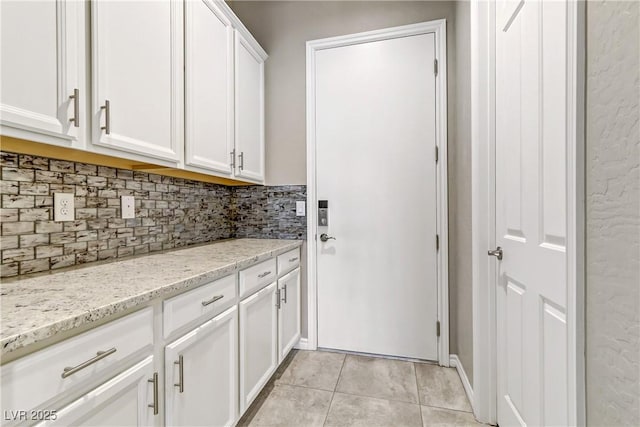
x,y
293,259
68,371
265,274
212,300
278,299
180,383
284,298
154,380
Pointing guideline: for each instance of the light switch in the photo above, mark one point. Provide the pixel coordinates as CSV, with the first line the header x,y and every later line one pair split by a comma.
x,y
128,207
63,207
301,209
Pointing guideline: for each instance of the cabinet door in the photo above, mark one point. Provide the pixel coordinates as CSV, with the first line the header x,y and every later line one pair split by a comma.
x,y
289,314
249,109
258,343
208,87
201,381
137,69
42,64
126,400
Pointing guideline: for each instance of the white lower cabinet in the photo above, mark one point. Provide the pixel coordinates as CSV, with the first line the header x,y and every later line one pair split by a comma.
x,y
258,342
201,374
213,369
129,399
289,314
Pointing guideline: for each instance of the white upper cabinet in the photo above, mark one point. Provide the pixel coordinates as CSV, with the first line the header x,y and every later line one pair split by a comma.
x,y
249,110
43,65
137,77
208,87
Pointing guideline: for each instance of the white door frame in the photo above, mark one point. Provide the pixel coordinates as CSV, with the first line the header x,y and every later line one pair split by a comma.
x,y
483,209
438,28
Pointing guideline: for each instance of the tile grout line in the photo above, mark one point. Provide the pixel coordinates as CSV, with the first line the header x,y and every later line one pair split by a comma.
x,y
415,376
334,390
448,409
378,398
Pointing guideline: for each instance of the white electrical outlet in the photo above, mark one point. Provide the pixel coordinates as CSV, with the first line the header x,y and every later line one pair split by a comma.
x,y
63,207
301,209
128,205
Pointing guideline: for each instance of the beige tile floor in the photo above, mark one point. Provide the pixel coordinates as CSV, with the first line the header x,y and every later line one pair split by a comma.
x,y
319,388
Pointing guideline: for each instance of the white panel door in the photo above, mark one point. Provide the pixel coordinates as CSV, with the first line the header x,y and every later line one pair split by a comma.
x,y
42,63
126,400
289,314
208,87
531,139
376,167
249,111
201,380
258,342
137,49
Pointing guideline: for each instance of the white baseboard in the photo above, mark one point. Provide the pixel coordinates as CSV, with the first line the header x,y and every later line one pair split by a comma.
x,y
303,344
455,362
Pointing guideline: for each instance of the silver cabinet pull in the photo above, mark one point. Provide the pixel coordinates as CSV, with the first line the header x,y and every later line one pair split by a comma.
x,y
265,274
293,259
241,167
68,371
76,108
497,252
180,383
154,380
212,300
284,299
107,117
278,298
233,160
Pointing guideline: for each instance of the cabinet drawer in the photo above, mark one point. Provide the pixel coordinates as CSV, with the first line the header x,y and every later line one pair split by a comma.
x,y
257,277
35,381
206,301
288,261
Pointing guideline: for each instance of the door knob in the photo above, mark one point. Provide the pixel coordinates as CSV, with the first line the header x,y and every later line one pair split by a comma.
x,y
324,237
497,252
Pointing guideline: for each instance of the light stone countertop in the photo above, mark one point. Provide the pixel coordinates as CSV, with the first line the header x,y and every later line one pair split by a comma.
x,y
37,308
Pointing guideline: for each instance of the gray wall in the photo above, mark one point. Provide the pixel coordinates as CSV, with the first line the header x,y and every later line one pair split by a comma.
x,y
460,269
613,213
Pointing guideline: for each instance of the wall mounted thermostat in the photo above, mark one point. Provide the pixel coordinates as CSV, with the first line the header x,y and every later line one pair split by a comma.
x,y
323,213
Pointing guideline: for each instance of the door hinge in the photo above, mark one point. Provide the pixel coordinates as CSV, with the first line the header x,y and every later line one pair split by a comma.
x,y
438,328
437,154
435,67
437,242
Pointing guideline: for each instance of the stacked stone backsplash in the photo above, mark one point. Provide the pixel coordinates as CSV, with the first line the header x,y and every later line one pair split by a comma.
x,y
269,212
170,212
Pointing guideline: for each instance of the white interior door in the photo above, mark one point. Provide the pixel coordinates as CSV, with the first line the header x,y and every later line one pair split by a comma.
x,y
375,165
531,140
